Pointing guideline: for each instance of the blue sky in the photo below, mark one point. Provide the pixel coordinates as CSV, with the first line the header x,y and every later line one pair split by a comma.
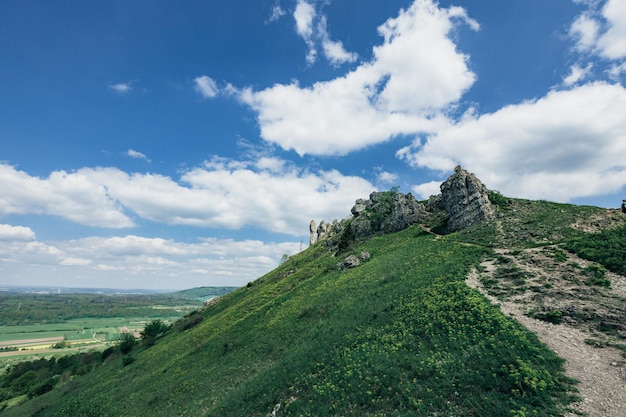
x,y
169,145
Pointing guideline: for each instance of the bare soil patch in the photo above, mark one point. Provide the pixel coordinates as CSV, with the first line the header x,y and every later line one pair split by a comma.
x,y
548,291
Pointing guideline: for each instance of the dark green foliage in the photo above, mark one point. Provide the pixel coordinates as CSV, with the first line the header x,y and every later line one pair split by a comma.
x,y
153,330
20,309
34,378
127,360
551,316
499,200
346,239
189,321
607,248
126,343
597,276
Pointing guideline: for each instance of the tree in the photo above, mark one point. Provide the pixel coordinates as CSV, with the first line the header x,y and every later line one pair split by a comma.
x,y
153,330
126,343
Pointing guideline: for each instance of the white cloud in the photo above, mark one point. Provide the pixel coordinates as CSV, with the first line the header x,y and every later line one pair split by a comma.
x,y
612,42
73,196
205,86
122,87
565,145
267,193
304,15
427,189
416,75
16,233
334,51
387,177
616,70
602,31
137,155
277,12
577,74
585,30
140,262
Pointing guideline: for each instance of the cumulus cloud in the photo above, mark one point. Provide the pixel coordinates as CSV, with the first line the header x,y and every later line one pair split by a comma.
x,y
74,196
334,51
612,42
565,145
141,262
304,15
16,233
268,193
416,75
577,74
602,31
205,86
386,177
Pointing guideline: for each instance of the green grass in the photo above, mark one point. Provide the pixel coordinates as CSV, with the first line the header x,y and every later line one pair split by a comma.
x,y
607,247
28,309
400,335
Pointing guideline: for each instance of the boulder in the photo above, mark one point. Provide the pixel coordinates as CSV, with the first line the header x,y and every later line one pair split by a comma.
x,y
465,200
350,262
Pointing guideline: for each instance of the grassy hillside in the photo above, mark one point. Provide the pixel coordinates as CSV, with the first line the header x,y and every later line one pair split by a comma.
x,y
401,334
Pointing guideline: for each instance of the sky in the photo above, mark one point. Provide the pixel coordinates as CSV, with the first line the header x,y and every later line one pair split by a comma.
x,y
158,144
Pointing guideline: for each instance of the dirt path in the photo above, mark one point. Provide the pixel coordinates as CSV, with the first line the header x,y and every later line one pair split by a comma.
x,y
601,371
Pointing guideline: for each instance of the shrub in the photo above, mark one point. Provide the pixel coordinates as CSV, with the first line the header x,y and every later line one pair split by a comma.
x,y
127,360
153,330
126,343
551,316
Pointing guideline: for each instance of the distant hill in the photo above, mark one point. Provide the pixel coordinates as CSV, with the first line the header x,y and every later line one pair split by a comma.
x,y
203,293
398,333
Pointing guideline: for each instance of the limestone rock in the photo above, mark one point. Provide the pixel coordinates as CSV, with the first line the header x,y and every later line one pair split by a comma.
x,y
313,232
350,262
465,200
386,212
323,231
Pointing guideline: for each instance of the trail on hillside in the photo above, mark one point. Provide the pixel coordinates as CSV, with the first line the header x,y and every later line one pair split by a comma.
x,y
548,284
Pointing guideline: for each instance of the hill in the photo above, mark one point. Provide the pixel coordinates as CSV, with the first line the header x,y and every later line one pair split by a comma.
x,y
399,334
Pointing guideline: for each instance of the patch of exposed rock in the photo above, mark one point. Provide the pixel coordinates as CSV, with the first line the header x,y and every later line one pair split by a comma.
x,y
353,261
465,199
386,212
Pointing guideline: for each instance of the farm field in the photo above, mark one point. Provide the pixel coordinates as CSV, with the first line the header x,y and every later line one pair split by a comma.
x,y
42,325
43,340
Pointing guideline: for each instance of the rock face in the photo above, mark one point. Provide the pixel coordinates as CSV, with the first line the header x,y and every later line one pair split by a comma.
x,y
313,232
465,200
324,230
386,212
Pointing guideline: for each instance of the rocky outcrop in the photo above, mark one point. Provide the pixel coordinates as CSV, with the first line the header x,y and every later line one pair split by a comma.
x,y
353,261
386,212
312,232
465,200
324,230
